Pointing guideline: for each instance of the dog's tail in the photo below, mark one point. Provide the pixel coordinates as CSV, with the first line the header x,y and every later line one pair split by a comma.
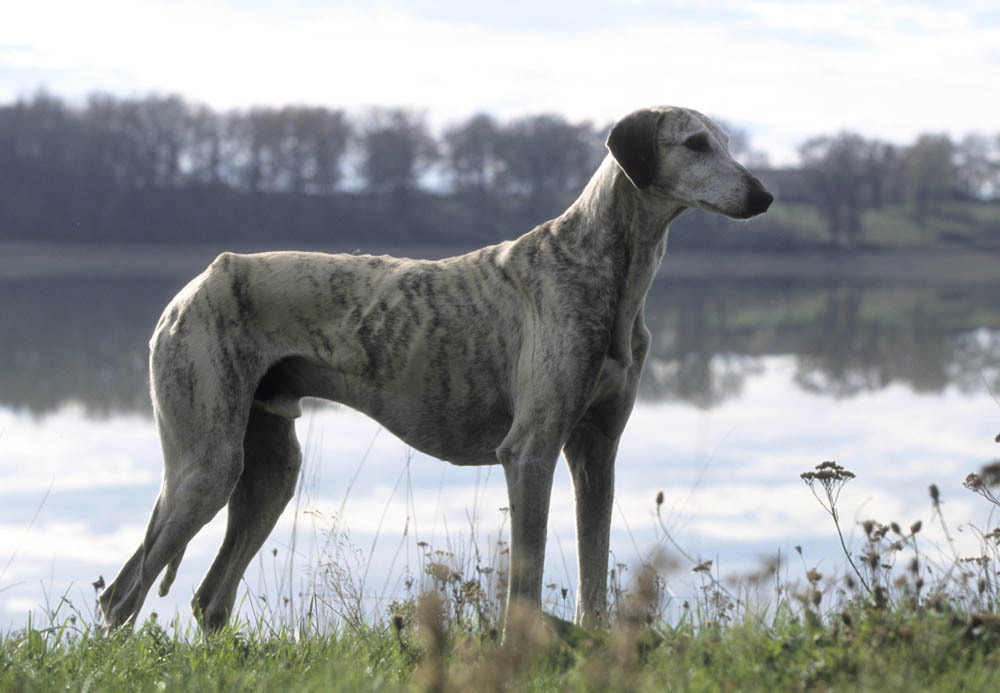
x,y
168,577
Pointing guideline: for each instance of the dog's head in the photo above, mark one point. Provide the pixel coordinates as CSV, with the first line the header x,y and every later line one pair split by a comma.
x,y
680,154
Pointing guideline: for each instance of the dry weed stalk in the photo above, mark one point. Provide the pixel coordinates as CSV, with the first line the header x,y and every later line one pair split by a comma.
x,y
719,594
831,477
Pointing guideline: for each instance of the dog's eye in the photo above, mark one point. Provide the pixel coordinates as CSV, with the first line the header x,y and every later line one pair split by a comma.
x,y
697,143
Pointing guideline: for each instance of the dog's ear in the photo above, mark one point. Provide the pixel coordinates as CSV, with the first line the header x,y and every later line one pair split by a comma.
x,y
632,142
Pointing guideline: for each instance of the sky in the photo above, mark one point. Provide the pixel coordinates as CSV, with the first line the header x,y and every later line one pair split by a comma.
x,y
783,70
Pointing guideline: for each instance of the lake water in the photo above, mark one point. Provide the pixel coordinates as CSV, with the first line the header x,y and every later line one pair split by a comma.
x,y
760,369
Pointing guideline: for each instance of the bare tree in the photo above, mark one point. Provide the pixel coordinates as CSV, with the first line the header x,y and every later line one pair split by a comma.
x,y
836,169
396,148
116,147
204,157
323,136
977,166
929,173
471,150
545,158
162,124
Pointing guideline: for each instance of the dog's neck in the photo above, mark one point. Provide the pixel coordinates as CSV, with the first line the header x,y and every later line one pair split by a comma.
x,y
621,233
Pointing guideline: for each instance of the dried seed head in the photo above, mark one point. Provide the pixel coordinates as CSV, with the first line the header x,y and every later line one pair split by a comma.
x,y
894,526
397,622
973,482
869,527
998,438
814,576
872,558
915,527
914,566
880,596
438,571
827,473
935,495
798,549
817,597
659,499
981,585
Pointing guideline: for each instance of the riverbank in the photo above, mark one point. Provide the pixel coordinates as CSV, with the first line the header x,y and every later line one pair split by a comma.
x,y
143,260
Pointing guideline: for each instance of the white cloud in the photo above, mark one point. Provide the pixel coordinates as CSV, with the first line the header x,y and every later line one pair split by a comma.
x,y
71,452
70,541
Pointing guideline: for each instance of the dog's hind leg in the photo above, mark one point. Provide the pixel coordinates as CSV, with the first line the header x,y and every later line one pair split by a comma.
x,y
195,487
271,463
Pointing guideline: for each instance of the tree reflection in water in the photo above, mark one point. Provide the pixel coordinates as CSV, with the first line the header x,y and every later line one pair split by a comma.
x,y
84,339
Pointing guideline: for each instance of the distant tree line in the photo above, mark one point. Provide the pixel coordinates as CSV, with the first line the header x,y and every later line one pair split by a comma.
x,y
847,174
163,169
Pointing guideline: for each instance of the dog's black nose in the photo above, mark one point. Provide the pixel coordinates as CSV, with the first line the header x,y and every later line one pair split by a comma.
x,y
758,200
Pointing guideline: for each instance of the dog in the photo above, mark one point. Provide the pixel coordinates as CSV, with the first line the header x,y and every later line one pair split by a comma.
x,y
506,355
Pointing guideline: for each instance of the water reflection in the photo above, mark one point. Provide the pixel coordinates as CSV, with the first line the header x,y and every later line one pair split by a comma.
x,y
846,339
752,380
84,339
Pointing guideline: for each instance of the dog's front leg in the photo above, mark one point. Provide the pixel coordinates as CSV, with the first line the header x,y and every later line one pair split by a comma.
x,y
590,454
528,466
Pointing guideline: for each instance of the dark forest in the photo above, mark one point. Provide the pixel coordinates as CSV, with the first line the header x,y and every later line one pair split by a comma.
x,y
160,169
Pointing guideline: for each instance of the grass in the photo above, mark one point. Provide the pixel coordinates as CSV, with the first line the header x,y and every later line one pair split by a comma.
x,y
859,647
903,614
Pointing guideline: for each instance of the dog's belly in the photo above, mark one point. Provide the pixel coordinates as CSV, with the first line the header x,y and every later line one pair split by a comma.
x,y
463,428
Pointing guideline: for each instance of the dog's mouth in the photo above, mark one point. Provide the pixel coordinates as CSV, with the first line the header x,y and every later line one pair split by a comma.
x,y
757,203
709,207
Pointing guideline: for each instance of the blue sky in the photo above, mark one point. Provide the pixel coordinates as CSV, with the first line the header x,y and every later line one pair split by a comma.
x,y
783,70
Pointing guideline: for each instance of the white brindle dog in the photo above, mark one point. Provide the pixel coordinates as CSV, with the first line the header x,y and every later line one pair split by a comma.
x,y
507,355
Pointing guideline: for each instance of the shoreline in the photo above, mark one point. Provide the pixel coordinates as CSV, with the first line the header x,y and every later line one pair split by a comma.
x,y
160,261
